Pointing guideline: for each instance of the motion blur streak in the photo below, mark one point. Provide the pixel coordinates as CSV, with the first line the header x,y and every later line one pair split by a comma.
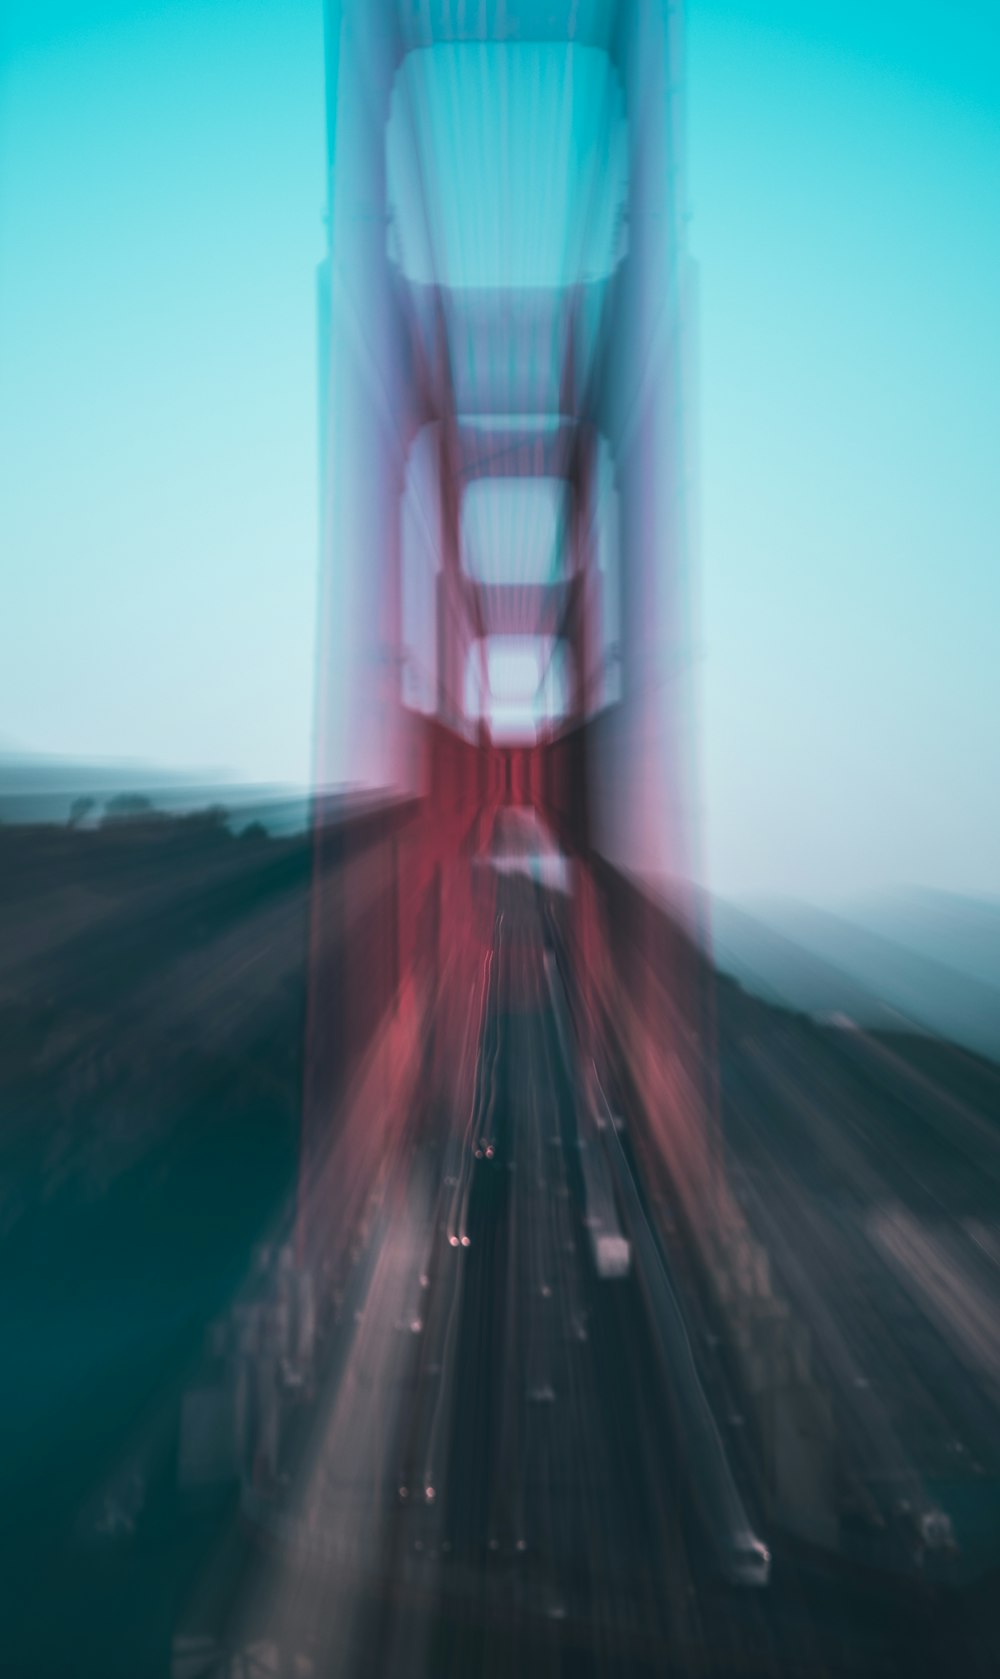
x,y
600,1319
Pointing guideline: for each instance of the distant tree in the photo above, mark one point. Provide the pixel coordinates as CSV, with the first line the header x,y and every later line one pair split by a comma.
x,y
80,809
128,807
210,816
213,819
254,831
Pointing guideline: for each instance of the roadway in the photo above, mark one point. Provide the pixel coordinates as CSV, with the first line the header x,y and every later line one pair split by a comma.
x,y
513,1467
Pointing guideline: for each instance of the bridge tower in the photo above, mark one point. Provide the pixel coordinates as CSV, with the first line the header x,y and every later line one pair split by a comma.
x,y
504,519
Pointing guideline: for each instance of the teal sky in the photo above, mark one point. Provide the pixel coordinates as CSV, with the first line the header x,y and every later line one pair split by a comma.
x,y
161,194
